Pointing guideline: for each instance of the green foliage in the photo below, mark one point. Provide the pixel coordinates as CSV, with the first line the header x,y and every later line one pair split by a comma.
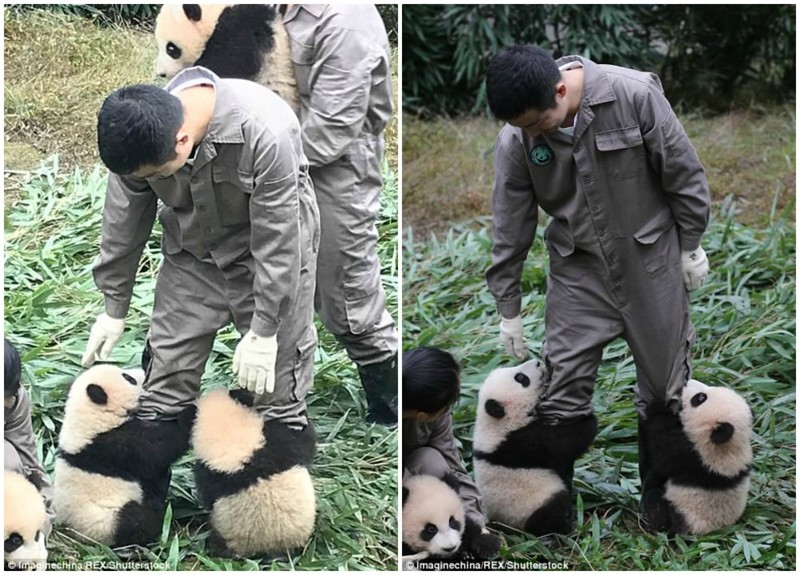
x,y
140,15
745,321
50,300
388,14
716,51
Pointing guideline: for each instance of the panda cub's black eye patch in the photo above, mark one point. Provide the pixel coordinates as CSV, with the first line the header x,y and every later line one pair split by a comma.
x,y
13,542
523,379
129,378
173,51
698,399
429,532
454,524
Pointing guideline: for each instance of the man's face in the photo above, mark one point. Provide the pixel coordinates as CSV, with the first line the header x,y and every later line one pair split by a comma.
x,y
536,122
183,148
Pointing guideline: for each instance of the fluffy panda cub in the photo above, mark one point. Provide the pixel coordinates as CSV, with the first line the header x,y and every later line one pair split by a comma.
x,y
23,523
246,41
253,475
705,456
433,518
523,468
112,470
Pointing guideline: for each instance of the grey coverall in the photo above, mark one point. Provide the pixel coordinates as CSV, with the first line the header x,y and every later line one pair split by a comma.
x,y
627,193
341,59
20,451
431,448
240,241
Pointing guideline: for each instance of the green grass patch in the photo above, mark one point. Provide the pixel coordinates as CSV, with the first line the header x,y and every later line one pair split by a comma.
x,y
448,165
52,236
745,322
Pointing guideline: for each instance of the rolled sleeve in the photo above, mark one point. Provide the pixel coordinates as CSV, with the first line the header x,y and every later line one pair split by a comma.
x,y
672,155
275,240
128,216
340,84
514,221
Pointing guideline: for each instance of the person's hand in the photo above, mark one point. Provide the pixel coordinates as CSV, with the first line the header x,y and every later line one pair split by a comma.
x,y
512,338
254,362
103,336
695,268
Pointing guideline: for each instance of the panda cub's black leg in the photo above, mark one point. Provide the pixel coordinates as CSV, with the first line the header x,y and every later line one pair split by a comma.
x,y
216,545
555,516
140,523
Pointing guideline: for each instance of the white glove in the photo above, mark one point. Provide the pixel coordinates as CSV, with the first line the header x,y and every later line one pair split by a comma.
x,y
511,336
103,336
254,362
695,268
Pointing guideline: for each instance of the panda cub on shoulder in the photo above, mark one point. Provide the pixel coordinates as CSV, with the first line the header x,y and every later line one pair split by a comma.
x,y
523,468
434,519
24,518
112,469
253,475
705,456
246,41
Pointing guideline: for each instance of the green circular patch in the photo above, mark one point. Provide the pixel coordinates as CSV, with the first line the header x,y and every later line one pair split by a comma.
x,y
541,155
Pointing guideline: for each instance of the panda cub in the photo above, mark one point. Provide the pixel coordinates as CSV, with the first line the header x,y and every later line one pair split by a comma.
x,y
705,456
246,41
24,517
433,518
112,470
253,475
523,468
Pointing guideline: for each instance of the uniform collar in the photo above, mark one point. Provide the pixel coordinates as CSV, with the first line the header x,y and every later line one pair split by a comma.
x,y
596,85
315,10
225,126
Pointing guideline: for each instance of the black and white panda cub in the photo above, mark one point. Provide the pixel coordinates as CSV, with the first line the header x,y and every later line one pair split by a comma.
x,y
246,41
434,519
523,468
705,456
112,470
253,475
24,517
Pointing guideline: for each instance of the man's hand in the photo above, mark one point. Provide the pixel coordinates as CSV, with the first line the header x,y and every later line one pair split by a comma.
x,y
695,268
512,338
254,362
103,336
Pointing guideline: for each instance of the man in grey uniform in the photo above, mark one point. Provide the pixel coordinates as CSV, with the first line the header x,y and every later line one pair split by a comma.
x,y
341,61
241,233
19,453
599,148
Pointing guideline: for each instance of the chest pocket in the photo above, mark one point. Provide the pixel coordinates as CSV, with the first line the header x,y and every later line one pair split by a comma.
x,y
622,152
302,58
232,191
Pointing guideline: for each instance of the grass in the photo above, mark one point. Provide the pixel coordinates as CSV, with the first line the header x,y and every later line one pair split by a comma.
x,y
448,164
745,320
50,300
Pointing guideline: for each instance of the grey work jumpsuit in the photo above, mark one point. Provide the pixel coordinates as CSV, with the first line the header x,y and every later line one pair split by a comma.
x,y
431,448
240,241
341,59
20,451
627,193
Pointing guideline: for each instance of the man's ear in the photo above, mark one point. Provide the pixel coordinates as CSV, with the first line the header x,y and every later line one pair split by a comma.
x,y
181,139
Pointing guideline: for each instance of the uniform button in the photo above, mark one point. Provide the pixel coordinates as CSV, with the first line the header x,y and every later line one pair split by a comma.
x,y
602,233
587,180
595,209
577,147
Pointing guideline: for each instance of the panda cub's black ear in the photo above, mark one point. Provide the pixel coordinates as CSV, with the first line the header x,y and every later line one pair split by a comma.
x,y
495,409
97,394
722,433
452,481
193,12
405,494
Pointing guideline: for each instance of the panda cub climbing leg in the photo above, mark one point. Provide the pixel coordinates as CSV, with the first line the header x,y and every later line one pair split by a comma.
x,y
523,468
253,475
704,456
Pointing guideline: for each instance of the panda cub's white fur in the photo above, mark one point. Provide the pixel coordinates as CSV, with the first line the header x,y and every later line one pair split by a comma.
x,y
433,518
24,517
253,475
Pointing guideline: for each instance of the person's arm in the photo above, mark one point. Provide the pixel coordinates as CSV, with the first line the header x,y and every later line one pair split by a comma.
x,y
18,431
275,230
672,155
345,65
514,220
128,216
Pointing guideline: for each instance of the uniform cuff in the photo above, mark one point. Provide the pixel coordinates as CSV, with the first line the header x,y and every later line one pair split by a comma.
x,y
117,309
263,327
690,243
511,308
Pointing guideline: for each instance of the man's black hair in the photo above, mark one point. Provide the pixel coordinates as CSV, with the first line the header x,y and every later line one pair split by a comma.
x,y
137,126
13,369
431,380
520,78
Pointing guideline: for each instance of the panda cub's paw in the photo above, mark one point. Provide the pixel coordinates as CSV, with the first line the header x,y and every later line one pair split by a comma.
x,y
483,545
